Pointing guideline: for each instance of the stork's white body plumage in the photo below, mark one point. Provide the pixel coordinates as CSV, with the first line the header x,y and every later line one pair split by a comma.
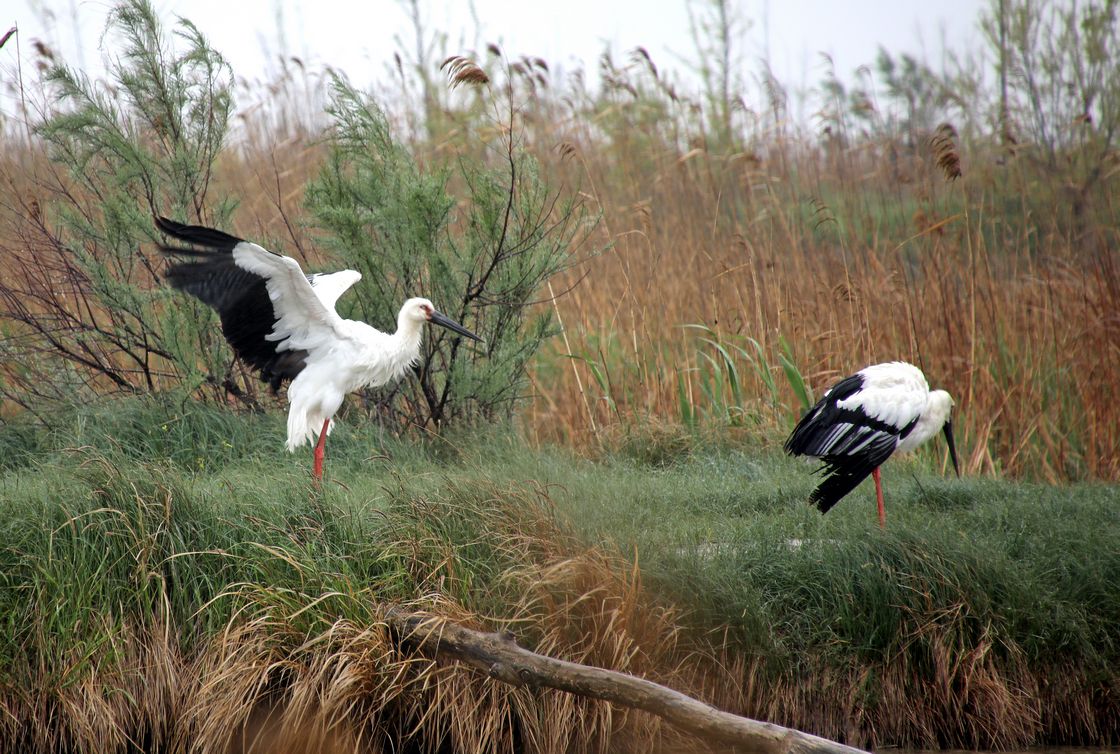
x,y
864,419
284,324
357,356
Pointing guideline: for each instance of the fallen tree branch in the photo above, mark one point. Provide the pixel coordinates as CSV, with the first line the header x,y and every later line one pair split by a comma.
x,y
499,656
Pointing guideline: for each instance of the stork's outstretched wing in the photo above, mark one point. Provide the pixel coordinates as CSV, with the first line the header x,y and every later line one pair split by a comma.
x,y
271,314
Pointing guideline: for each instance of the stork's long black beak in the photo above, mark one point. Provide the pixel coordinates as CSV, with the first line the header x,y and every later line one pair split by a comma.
x,y
948,430
445,321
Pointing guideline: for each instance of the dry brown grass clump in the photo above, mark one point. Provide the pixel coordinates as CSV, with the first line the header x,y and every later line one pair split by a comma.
x,y
353,686
131,690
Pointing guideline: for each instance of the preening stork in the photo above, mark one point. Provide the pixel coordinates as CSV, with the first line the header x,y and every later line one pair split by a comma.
x,y
283,324
862,420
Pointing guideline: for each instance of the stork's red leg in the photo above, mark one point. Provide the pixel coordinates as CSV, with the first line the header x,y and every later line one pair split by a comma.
x,y
879,498
317,472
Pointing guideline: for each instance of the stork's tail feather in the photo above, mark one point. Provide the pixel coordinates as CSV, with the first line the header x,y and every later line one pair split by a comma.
x,y
797,444
839,481
303,429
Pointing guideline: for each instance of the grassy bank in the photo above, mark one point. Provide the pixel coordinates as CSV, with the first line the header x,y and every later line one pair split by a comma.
x,y
169,576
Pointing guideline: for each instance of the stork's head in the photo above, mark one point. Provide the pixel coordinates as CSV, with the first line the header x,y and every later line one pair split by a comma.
x,y
421,310
940,407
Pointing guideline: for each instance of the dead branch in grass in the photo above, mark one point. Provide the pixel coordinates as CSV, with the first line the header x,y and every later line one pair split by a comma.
x,y
499,656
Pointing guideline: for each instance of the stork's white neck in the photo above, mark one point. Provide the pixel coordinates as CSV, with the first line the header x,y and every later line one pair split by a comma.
x,y
409,329
389,356
410,332
377,357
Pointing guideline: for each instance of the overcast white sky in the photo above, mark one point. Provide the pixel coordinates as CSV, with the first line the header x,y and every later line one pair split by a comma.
x,y
359,37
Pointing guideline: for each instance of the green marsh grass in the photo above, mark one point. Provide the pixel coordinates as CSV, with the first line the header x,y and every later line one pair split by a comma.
x,y
177,590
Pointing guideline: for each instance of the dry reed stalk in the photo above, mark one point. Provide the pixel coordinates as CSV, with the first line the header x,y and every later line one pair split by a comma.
x,y
462,70
945,152
570,355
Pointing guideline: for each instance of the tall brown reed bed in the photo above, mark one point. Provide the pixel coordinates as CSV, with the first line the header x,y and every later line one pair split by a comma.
x,y
1016,319
1014,315
727,271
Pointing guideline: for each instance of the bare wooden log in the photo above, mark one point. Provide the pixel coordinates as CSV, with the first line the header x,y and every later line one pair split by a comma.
x,y
499,656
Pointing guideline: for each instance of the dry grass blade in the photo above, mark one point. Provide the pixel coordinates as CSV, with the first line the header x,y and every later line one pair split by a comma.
x,y
639,54
41,48
7,35
944,143
463,70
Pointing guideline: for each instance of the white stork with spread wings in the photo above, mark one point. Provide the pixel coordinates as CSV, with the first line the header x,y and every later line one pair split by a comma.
x,y
283,324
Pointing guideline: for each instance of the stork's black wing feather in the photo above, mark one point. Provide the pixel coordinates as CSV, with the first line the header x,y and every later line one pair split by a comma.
x,y
843,473
806,436
199,235
240,297
850,443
